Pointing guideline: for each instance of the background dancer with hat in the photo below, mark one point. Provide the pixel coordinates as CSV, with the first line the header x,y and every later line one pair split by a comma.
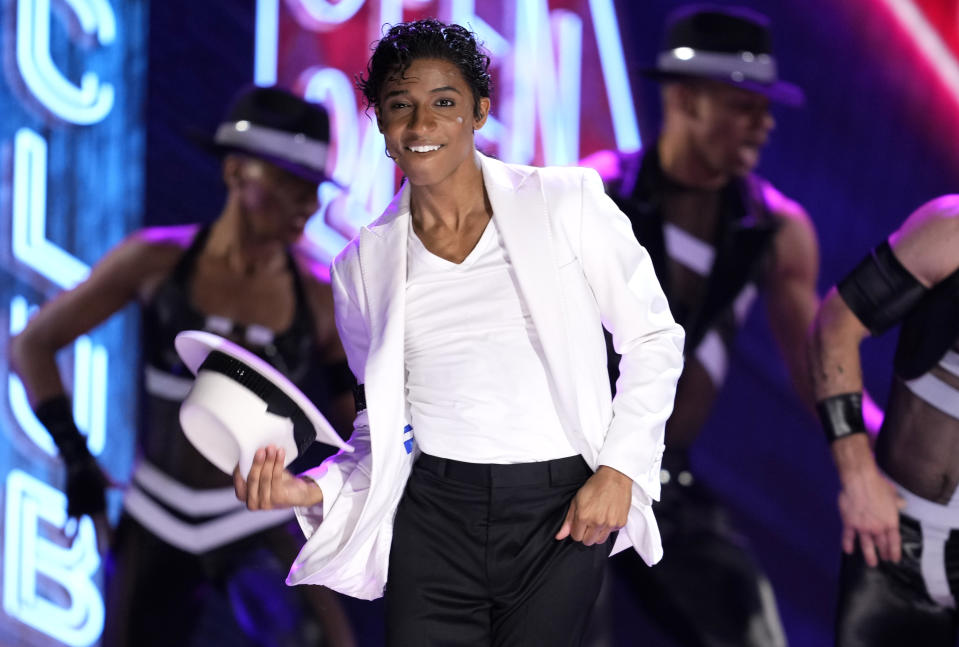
x,y
718,234
899,508
189,564
492,471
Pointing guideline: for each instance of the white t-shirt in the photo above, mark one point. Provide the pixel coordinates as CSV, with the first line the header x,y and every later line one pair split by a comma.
x,y
476,381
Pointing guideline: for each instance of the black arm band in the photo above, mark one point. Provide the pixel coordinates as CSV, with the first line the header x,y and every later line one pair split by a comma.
x,y
880,291
339,377
359,397
56,415
841,415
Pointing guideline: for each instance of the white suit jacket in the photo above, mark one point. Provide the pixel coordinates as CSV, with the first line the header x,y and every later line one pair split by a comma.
x,y
579,267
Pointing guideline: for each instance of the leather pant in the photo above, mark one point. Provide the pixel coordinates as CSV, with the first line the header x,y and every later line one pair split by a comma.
x,y
890,605
708,591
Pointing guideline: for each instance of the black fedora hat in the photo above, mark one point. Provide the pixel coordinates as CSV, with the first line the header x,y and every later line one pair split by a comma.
x,y
727,44
275,125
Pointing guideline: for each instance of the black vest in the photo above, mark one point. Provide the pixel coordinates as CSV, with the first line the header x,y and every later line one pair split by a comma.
x,y
293,352
929,330
743,238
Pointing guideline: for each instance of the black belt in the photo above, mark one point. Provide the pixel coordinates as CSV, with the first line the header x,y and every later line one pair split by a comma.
x,y
560,471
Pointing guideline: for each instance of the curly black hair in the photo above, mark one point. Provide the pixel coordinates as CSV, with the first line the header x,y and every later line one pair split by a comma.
x,y
429,38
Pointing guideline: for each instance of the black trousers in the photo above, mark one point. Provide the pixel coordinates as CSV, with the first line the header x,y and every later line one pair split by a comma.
x,y
474,560
708,590
889,606
159,595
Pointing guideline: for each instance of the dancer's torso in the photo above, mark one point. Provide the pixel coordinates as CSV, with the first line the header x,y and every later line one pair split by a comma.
x,y
919,442
269,316
709,249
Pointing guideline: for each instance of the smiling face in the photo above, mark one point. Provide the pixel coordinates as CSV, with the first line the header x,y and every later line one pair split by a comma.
x,y
427,117
730,127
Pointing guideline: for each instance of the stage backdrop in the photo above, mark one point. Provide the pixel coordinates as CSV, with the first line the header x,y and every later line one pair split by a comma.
x,y
875,139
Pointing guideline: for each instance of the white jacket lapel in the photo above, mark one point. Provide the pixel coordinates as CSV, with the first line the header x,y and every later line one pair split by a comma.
x,y
520,213
383,266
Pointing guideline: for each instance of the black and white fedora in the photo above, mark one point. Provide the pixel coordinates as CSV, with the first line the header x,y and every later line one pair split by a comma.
x,y
731,45
275,125
239,403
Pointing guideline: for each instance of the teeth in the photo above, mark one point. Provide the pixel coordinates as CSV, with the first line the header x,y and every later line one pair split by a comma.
x,y
423,149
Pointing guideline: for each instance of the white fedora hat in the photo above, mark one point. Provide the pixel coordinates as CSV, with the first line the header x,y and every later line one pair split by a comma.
x,y
239,403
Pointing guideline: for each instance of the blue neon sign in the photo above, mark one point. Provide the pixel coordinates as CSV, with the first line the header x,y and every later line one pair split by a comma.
x,y
55,109
29,554
91,100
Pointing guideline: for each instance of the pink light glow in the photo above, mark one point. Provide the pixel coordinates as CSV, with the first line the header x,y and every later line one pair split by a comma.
x,y
933,29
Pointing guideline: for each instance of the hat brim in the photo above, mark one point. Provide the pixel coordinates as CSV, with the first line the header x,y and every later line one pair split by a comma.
x,y
783,92
193,346
206,143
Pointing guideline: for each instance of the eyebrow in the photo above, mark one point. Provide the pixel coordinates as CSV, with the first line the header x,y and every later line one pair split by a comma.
x,y
445,88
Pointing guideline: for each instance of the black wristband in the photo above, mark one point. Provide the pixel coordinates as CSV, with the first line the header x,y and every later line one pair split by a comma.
x,y
56,415
359,397
841,415
339,377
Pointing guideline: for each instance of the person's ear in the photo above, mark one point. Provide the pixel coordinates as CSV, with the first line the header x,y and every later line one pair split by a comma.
x,y
680,98
684,97
379,119
691,99
232,171
479,121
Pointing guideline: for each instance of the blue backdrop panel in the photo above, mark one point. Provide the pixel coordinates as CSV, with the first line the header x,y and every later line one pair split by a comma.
x,y
71,187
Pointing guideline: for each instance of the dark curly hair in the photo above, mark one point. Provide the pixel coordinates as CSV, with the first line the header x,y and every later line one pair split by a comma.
x,y
429,38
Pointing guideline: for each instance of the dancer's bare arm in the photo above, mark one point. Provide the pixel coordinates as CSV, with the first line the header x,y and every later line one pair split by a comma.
x,y
113,282
925,245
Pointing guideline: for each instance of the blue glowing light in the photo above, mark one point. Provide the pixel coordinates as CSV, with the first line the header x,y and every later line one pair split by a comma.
x,y
49,580
17,395
267,41
29,555
31,247
90,369
30,244
555,75
90,363
614,73
87,103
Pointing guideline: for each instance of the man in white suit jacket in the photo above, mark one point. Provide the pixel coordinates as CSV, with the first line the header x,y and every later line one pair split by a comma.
x,y
576,267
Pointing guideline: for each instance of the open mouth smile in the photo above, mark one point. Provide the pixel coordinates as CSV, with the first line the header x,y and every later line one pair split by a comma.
x,y
424,148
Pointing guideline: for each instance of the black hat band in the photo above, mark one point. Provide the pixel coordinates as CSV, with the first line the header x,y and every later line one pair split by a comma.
x,y
293,147
743,66
277,402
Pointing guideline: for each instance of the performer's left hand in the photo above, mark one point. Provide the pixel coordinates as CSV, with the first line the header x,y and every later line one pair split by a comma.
x,y
600,507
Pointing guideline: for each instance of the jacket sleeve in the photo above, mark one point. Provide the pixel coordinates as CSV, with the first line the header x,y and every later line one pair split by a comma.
x,y
634,310
344,471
